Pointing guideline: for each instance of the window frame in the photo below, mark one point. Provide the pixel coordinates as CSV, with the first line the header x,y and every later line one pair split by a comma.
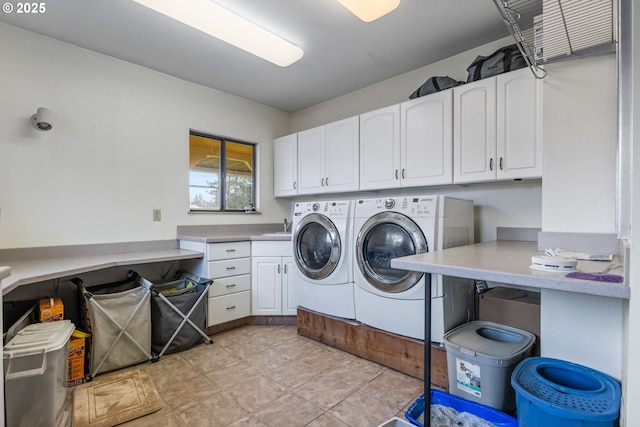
x,y
222,189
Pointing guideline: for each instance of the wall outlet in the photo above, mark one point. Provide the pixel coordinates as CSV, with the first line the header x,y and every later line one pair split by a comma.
x,y
157,215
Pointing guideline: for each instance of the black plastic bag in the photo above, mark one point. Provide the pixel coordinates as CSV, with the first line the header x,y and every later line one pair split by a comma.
x,y
435,84
501,61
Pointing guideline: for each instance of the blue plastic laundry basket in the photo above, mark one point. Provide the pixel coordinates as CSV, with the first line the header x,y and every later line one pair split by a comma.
x,y
552,392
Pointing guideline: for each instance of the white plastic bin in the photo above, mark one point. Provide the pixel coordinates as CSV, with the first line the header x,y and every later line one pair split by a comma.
x,y
480,359
35,374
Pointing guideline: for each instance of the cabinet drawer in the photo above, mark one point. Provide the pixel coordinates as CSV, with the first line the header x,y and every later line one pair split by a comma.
x,y
230,285
218,251
229,267
228,307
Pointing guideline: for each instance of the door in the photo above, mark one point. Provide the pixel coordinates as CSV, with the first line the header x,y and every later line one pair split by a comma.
x,y
311,165
380,149
317,246
342,155
289,296
266,289
426,140
519,125
474,131
285,166
385,236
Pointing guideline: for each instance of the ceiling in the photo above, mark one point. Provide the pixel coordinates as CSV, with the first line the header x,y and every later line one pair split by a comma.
x,y
341,53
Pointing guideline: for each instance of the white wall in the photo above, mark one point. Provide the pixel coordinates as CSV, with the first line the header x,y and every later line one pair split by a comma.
x,y
580,143
118,149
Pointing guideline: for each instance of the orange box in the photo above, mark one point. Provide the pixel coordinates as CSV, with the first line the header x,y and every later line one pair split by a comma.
x,y
51,309
76,358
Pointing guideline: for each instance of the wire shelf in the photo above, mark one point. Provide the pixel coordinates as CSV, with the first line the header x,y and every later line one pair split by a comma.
x,y
554,30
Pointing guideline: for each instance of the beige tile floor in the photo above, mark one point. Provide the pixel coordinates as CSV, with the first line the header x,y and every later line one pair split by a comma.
x,y
271,376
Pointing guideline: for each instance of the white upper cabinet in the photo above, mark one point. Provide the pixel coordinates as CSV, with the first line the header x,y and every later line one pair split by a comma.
x,y
519,125
342,155
474,131
285,166
311,163
426,140
380,148
328,158
498,128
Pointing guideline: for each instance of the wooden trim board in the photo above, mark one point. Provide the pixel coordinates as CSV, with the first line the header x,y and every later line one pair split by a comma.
x,y
394,351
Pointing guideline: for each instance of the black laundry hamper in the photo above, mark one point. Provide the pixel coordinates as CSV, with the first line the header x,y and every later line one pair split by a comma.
x,y
178,314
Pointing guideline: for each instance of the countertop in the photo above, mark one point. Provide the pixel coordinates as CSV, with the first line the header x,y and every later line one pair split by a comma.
x,y
23,272
507,262
235,237
52,263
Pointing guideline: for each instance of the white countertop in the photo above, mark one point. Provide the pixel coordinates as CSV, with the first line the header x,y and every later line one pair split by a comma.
x,y
38,270
234,237
507,262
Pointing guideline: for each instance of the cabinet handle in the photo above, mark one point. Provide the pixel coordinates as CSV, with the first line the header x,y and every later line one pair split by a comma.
x,y
278,268
285,269
491,164
326,181
233,307
500,163
402,173
231,250
396,173
231,286
231,268
295,185
322,182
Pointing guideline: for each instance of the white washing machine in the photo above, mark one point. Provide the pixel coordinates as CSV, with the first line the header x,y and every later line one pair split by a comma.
x,y
392,299
322,234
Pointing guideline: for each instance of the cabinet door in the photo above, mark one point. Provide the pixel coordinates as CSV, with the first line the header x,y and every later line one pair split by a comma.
x,y
519,125
380,148
342,155
266,286
311,154
426,140
290,299
474,131
285,166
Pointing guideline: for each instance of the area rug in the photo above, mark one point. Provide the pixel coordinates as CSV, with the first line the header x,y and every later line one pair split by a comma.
x,y
115,399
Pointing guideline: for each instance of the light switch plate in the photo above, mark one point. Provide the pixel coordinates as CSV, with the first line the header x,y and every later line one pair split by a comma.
x,y
157,214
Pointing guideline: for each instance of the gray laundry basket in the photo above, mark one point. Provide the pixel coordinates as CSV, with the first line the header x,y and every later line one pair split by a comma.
x,y
179,313
118,317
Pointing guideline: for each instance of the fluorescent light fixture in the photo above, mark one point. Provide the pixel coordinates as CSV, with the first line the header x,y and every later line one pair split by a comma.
x,y
370,10
213,19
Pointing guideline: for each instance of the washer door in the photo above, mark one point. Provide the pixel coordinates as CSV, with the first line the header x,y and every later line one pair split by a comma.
x,y
385,236
317,246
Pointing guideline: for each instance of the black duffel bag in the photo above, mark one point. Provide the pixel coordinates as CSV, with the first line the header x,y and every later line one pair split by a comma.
x,y
435,84
502,60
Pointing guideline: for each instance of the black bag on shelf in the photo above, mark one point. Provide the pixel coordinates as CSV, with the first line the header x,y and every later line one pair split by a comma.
x,y
435,84
501,61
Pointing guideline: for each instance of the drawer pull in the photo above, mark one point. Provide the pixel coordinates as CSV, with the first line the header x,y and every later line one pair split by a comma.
x,y
231,268
231,250
233,307
231,286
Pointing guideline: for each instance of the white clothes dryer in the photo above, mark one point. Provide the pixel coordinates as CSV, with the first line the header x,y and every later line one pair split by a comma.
x,y
322,234
392,299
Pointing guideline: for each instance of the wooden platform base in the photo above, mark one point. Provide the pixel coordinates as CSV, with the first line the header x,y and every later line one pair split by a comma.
x,y
394,351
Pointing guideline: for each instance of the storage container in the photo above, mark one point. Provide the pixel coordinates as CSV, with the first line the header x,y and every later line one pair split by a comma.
x,y
480,359
497,418
552,392
35,374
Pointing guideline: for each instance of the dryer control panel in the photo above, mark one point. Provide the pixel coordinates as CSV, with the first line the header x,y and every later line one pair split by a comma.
x,y
337,209
415,207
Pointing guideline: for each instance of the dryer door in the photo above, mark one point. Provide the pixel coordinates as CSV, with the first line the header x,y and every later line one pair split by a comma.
x,y
385,236
317,246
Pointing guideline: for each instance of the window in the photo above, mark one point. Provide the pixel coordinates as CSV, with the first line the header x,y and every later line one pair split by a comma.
x,y
221,173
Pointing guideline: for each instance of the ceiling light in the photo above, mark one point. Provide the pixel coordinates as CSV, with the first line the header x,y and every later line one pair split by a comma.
x,y
213,19
370,10
42,119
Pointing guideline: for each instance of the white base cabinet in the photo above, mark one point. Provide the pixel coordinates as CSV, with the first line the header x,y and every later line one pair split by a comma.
x,y
272,289
229,265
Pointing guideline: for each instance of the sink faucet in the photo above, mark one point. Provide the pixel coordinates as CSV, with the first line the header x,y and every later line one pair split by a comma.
x,y
286,225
